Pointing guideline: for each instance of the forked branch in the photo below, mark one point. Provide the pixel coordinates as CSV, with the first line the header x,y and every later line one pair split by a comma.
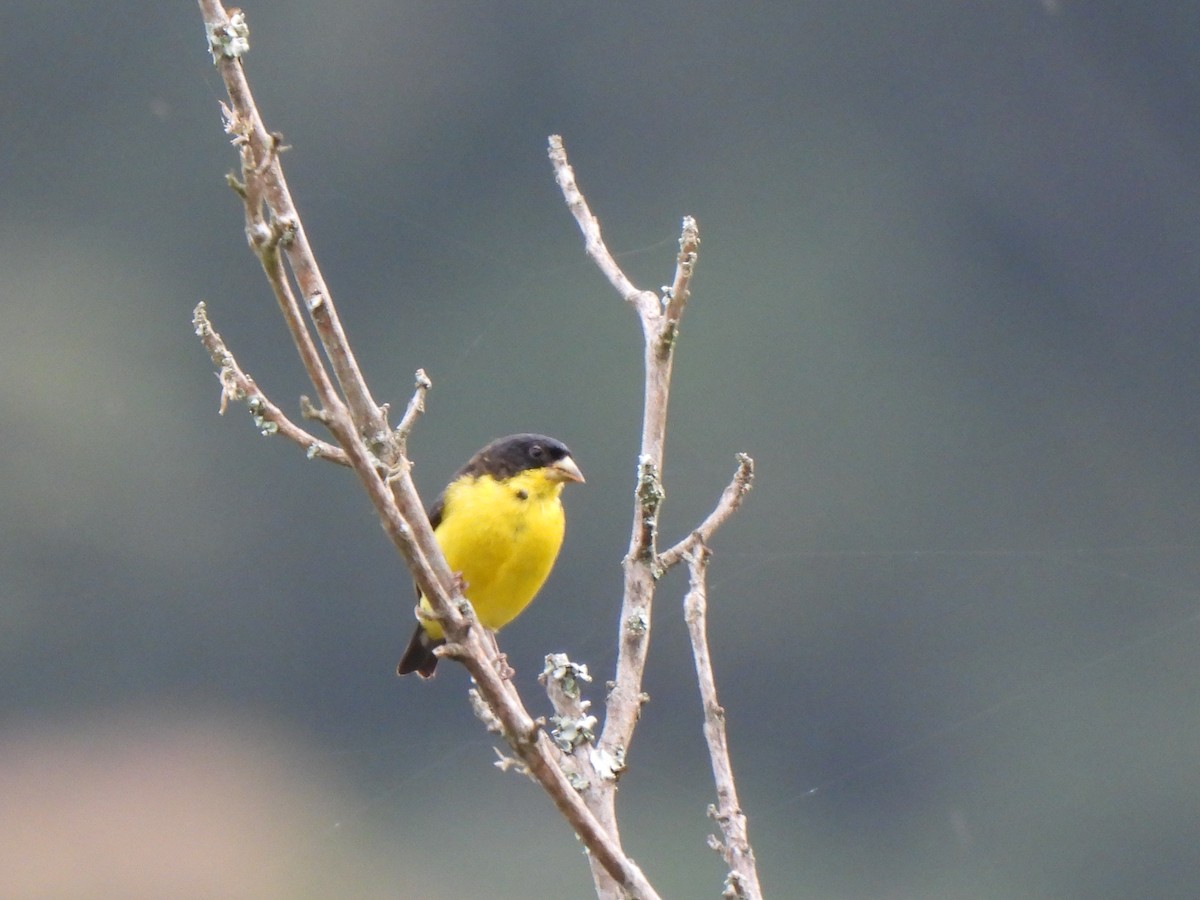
x,y
236,385
601,764
371,448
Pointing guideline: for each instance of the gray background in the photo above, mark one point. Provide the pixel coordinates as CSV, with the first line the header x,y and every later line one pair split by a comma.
x,y
946,298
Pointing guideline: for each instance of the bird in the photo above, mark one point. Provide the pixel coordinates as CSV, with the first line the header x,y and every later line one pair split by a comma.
x,y
500,525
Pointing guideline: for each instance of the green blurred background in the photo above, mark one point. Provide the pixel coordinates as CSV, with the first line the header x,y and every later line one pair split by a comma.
x,y
947,298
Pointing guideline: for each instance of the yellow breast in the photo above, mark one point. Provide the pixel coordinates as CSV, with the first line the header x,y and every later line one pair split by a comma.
x,y
503,537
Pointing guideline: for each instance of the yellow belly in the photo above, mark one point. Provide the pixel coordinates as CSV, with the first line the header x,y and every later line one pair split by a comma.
x,y
503,537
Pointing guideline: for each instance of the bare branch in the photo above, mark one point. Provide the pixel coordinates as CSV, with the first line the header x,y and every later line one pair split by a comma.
x,y
573,725
416,406
681,288
660,324
731,499
265,185
645,301
660,319
742,881
641,564
373,451
236,385
626,696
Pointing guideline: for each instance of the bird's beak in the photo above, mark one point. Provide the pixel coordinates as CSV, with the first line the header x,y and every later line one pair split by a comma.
x,y
565,470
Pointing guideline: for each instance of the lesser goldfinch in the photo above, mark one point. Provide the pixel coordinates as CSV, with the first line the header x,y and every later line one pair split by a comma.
x,y
500,524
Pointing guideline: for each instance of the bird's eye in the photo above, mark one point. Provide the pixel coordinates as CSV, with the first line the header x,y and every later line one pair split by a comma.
x,y
537,451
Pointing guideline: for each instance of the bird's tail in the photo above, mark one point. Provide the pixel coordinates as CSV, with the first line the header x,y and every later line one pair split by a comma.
x,y
419,657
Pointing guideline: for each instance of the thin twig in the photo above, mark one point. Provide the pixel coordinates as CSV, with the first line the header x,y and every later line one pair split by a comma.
x,y
742,881
731,499
236,385
680,290
416,406
645,301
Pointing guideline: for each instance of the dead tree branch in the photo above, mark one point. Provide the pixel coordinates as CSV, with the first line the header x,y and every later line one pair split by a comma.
x,y
599,767
372,449
742,880
236,385
727,505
